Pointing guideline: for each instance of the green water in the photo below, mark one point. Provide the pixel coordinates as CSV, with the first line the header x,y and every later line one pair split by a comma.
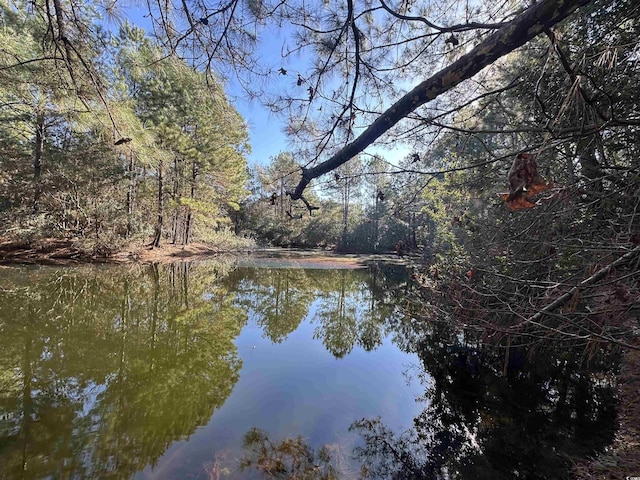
x,y
166,371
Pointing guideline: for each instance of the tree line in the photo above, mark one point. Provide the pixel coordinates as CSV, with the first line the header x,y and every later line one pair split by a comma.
x,y
113,141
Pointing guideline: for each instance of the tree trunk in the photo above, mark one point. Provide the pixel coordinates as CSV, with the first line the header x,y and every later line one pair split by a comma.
x,y
188,227
376,219
192,195
281,203
176,225
345,207
160,207
37,161
130,196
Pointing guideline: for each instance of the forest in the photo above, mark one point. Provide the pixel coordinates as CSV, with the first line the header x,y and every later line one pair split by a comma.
x,y
113,134
497,144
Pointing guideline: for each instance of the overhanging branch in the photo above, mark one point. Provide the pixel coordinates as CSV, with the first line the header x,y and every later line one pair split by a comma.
x,y
516,33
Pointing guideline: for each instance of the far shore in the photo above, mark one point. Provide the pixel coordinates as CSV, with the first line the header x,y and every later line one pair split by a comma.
x,y
67,252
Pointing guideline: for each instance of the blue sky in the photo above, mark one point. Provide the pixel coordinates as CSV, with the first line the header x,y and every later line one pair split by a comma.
x,y
265,132
266,129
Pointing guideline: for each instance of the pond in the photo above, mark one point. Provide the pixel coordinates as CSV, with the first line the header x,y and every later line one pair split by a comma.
x,y
264,369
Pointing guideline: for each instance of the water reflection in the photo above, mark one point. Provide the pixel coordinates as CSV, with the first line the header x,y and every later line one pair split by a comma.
x,y
348,312
102,368
167,371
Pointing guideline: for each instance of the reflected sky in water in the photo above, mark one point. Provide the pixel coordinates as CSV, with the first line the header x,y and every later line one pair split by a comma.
x,y
157,371
298,388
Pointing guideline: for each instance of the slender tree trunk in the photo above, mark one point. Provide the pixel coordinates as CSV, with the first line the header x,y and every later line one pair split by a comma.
x,y
130,196
281,199
37,161
175,194
174,225
160,206
187,227
192,196
345,206
376,220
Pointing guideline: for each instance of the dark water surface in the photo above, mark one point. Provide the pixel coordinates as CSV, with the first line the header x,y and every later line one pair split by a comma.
x,y
193,370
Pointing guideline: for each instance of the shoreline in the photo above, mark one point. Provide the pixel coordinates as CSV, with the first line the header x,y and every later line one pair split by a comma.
x,y
67,252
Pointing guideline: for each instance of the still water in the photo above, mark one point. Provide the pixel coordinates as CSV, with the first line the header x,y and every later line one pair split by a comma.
x,y
216,370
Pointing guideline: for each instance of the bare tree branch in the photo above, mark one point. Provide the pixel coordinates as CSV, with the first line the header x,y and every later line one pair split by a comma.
x,y
454,28
599,275
516,33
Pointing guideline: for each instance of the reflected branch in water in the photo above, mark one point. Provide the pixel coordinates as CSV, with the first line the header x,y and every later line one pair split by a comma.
x,y
291,458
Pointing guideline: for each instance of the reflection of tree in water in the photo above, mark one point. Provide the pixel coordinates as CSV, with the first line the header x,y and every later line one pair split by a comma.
x,y
101,369
337,316
114,366
291,458
488,415
348,315
492,416
278,299
346,312
477,425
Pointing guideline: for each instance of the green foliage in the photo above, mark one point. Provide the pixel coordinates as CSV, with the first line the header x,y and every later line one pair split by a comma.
x,y
498,268
204,171
224,239
274,219
112,375
92,173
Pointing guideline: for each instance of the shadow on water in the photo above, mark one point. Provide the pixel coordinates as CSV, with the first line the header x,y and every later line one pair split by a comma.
x,y
115,371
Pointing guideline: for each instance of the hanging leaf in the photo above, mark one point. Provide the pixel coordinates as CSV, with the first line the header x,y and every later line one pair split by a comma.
x,y
524,183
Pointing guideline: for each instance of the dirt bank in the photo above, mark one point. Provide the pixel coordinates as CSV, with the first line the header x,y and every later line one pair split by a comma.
x,y
67,252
